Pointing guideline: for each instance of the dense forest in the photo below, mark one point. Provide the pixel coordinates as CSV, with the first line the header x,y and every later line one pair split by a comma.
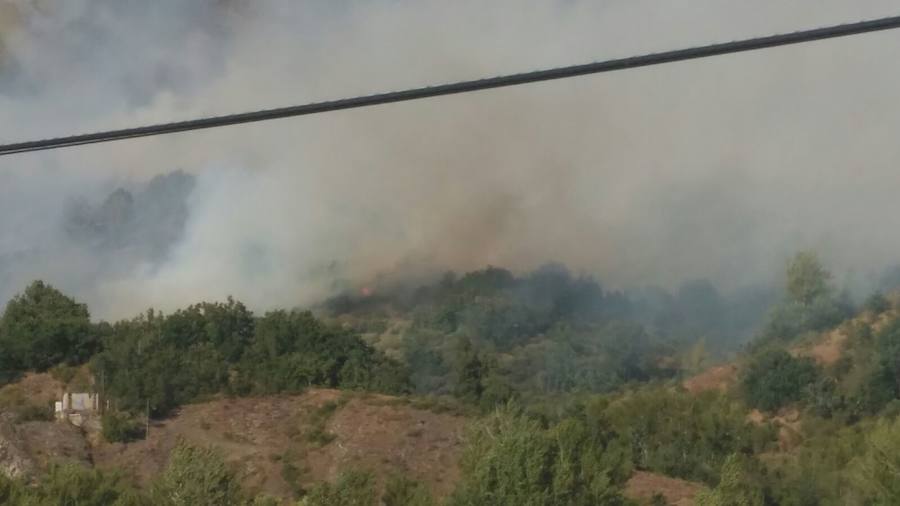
x,y
570,387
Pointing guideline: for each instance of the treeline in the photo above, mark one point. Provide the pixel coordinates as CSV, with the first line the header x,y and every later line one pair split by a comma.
x,y
203,350
490,335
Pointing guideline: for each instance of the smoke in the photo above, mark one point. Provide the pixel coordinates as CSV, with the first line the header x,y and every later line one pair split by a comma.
x,y
716,168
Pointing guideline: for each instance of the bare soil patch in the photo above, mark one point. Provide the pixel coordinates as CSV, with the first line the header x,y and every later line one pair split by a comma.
x,y
267,440
715,378
643,485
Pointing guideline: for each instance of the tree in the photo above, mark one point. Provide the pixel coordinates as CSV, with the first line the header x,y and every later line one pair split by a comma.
x,y
41,328
774,378
807,280
469,372
511,460
196,476
683,435
736,488
72,484
876,473
877,303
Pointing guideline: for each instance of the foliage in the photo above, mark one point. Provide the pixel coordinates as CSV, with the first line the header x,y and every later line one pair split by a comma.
x,y
221,347
41,328
774,378
810,305
353,488
71,484
403,491
877,303
734,489
876,473
316,433
807,279
196,476
681,434
511,459
120,428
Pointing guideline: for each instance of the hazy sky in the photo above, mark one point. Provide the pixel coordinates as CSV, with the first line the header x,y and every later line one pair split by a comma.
x,y
714,168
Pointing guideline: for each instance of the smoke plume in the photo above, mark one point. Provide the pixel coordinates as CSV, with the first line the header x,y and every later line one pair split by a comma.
x,y
717,168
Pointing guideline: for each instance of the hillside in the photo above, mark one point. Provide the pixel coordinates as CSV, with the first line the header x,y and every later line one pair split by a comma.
x,y
541,388
279,443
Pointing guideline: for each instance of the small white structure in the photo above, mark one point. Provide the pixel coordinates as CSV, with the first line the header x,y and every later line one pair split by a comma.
x,y
77,408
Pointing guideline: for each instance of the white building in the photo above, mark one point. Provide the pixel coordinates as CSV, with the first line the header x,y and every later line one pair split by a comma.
x,y
77,407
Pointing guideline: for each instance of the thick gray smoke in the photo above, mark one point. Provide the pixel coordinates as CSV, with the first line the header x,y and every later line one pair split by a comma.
x,y
716,168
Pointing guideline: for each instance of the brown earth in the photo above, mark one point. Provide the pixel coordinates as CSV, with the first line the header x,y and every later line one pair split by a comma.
x,y
27,449
643,485
267,440
38,389
826,350
716,378
788,423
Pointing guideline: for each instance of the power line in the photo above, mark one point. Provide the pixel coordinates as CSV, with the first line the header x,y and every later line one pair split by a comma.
x,y
463,86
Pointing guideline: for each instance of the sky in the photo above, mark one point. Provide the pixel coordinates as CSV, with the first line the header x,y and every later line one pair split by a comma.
x,y
718,168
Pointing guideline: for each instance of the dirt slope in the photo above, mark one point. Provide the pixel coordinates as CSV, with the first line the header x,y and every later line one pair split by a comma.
x,y
274,444
26,449
642,486
715,378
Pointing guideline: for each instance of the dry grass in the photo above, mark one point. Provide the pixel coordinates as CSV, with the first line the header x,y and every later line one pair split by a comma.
x,y
267,440
715,378
642,486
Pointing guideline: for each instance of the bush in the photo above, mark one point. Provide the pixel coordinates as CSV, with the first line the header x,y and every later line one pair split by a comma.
x,y
353,488
34,413
774,378
72,484
876,473
877,303
197,477
402,491
121,428
683,435
511,460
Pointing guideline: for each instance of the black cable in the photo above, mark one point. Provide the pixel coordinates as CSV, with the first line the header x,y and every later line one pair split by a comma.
x,y
464,86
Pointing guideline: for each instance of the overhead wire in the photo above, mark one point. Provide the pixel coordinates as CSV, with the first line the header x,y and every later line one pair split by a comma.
x,y
536,76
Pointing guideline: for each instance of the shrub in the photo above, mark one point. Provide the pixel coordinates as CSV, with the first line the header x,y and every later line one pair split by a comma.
x,y
877,303
402,491
774,378
197,477
121,428
353,488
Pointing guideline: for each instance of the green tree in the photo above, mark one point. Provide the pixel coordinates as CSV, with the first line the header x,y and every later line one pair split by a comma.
x,y
876,473
72,484
41,328
682,434
736,488
807,280
774,378
196,476
877,303
469,372
120,428
511,460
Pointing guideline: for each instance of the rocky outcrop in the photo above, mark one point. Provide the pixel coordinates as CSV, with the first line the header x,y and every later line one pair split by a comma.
x,y
14,459
27,449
